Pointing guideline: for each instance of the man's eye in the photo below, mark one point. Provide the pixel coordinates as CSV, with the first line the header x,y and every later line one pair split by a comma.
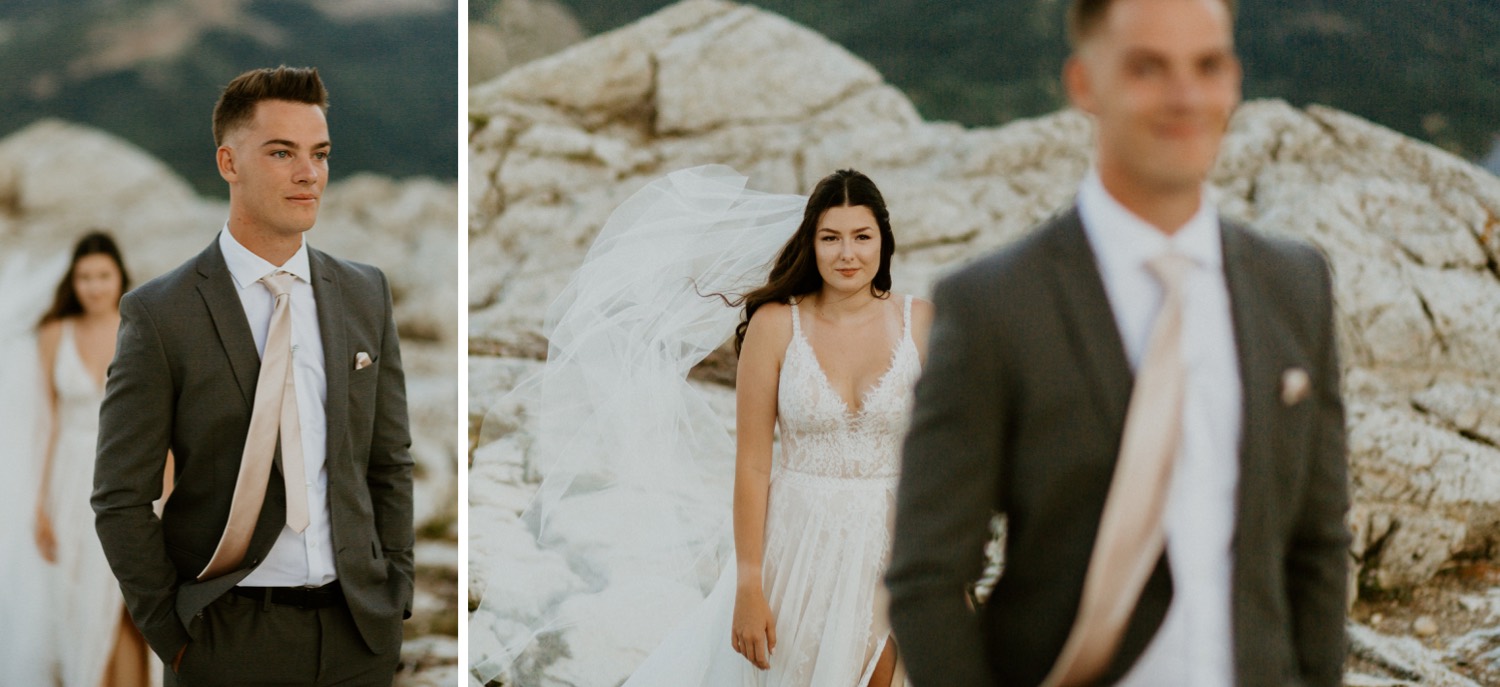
x,y
320,155
281,154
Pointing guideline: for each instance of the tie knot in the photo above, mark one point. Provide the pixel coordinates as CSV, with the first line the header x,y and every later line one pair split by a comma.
x,y
280,283
1170,268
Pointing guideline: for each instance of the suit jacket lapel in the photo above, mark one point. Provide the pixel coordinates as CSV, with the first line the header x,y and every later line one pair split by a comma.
x,y
337,360
1089,319
1254,328
228,314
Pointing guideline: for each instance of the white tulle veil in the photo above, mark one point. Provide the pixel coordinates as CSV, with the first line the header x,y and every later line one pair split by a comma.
x,y
26,286
636,468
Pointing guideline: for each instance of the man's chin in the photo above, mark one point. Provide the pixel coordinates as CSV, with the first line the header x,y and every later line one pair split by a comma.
x,y
299,224
1179,176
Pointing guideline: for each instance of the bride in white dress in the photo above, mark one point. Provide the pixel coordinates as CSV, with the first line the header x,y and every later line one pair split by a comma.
x,y
827,353
95,642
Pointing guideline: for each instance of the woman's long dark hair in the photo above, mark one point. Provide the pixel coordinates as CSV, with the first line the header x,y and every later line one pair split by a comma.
x,y
795,272
66,303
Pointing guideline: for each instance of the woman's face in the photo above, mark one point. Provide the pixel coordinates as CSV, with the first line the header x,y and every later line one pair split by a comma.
x,y
97,280
847,246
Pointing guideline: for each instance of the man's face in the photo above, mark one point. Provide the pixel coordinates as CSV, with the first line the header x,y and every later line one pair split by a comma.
x,y
1161,79
277,166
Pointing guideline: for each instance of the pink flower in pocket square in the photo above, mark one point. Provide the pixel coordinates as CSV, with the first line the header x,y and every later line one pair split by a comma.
x,y
362,360
1295,386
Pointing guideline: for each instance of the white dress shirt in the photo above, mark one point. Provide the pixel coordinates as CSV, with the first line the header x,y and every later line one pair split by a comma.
x,y
1195,643
305,559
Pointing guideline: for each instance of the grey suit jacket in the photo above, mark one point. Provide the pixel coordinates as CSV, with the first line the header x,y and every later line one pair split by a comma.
x,y
184,378
1020,410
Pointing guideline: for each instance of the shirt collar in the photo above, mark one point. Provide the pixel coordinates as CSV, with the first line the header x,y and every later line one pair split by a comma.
x,y
247,268
1121,240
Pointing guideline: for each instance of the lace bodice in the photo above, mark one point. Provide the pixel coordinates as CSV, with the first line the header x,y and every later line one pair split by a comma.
x,y
78,395
821,435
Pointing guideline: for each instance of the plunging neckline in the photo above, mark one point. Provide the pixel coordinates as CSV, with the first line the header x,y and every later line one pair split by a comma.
x,y
83,365
890,369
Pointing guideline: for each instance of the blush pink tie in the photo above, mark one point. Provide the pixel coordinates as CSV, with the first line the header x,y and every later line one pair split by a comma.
x,y
1131,536
274,414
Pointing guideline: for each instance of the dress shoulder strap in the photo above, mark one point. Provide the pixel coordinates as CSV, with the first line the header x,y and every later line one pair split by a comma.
x,y
796,319
906,318
65,345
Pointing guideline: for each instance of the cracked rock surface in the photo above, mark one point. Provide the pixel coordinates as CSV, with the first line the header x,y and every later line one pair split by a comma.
x,y
1410,232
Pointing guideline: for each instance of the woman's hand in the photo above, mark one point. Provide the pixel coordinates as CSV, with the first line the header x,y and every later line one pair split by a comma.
x,y
46,542
753,632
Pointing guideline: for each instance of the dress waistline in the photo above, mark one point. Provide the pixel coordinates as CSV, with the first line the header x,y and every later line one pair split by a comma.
x,y
838,481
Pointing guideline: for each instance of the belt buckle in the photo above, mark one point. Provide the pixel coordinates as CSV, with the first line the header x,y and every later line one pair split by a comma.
x,y
305,597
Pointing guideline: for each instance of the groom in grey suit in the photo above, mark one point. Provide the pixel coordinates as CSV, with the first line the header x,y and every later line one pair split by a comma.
x,y
1034,354
321,602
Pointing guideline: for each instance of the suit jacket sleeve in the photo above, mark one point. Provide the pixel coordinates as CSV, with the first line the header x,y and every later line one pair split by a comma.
x,y
946,498
1318,559
390,464
135,425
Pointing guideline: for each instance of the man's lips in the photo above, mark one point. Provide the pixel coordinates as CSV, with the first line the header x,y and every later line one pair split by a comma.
x,y
303,198
1181,130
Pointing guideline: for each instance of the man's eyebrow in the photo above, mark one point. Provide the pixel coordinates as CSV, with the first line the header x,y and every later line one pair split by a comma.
x,y
288,144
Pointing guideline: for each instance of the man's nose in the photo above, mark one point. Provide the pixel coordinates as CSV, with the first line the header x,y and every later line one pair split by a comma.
x,y
1186,88
307,172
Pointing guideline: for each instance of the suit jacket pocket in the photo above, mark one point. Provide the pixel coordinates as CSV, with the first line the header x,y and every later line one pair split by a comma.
x,y
376,565
371,371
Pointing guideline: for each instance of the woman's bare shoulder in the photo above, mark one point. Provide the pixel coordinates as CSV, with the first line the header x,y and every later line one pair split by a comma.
x,y
49,334
770,326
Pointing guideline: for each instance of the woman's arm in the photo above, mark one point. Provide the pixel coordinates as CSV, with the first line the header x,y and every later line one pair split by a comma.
x,y
757,378
47,341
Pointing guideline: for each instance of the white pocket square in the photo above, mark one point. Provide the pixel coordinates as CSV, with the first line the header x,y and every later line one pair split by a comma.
x,y
1295,386
362,360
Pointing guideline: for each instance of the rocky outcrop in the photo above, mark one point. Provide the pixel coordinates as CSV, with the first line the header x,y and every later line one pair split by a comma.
x,y
58,180
515,32
1410,232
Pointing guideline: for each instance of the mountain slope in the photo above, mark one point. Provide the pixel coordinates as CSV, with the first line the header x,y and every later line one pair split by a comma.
x,y
150,70
1427,68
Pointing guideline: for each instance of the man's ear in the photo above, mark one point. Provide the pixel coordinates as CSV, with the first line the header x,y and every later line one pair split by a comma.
x,y
1076,83
224,156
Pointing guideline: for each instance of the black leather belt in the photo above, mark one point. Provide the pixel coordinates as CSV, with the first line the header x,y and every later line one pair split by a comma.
x,y
302,597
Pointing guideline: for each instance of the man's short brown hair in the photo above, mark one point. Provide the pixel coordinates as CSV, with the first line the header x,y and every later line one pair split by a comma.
x,y
1084,17
237,103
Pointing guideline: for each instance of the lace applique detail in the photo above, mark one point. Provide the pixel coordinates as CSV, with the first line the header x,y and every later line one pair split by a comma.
x,y
821,435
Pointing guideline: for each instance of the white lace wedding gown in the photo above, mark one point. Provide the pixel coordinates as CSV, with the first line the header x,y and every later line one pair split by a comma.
x,y
87,597
828,537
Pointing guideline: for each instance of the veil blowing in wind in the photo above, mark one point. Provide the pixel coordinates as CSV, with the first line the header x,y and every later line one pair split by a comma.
x,y
635,466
